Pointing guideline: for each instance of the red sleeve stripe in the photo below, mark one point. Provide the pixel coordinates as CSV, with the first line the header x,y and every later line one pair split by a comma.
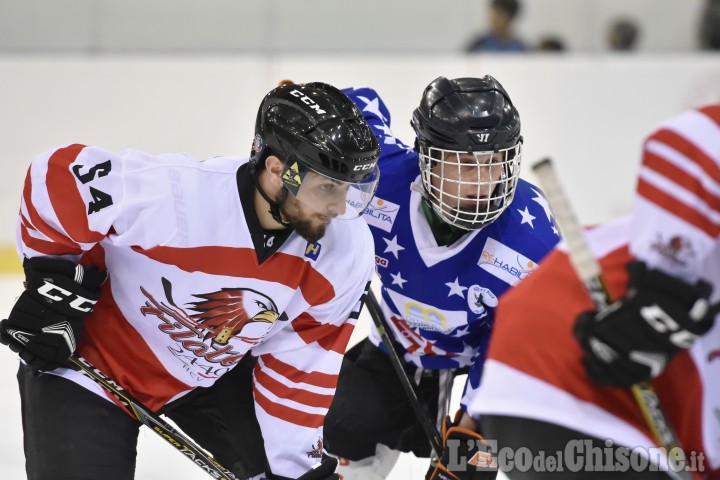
x,y
65,197
296,375
330,337
691,151
45,247
712,112
38,223
287,414
682,178
675,207
295,394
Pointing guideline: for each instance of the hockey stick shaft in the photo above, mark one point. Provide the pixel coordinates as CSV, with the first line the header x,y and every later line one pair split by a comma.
x,y
381,325
153,421
588,269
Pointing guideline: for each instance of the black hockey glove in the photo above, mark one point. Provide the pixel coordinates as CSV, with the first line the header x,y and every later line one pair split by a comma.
x,y
466,455
45,325
633,339
324,471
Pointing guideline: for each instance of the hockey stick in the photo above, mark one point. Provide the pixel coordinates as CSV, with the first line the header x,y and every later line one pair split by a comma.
x,y
153,421
381,325
588,269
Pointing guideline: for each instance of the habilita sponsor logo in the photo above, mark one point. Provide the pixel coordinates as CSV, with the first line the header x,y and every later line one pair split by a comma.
x,y
505,263
381,213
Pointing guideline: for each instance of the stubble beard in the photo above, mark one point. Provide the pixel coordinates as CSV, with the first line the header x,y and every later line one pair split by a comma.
x,y
302,223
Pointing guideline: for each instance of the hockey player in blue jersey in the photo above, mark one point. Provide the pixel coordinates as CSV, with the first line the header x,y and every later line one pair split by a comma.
x,y
454,228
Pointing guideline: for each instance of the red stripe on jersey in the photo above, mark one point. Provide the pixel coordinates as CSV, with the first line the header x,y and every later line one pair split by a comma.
x,y
296,375
65,198
281,267
691,151
329,337
675,207
38,223
288,414
310,399
712,111
682,178
118,350
45,247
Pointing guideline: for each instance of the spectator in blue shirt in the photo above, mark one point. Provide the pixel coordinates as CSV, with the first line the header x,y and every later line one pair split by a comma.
x,y
500,37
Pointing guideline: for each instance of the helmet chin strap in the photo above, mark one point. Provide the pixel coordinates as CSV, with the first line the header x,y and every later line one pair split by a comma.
x,y
274,205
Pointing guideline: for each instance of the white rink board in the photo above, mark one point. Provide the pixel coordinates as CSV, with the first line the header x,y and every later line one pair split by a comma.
x,y
589,112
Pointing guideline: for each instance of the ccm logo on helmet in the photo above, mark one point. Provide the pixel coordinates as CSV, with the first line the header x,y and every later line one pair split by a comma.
x,y
367,166
307,101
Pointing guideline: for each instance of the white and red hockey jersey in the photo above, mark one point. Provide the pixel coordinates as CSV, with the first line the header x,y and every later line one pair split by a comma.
x,y
534,368
186,296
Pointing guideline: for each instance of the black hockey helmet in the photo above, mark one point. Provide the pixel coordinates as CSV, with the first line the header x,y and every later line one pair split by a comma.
x,y
466,114
321,127
316,128
457,120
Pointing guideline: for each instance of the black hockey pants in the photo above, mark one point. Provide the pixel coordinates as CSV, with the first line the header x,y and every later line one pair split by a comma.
x,y
371,406
71,433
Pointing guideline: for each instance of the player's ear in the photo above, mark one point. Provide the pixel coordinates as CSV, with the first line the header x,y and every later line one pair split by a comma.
x,y
275,167
287,81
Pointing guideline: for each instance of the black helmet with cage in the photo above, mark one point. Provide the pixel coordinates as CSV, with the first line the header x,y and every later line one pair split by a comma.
x,y
463,123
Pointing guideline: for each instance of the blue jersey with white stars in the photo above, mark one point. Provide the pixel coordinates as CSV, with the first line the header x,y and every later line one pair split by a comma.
x,y
440,300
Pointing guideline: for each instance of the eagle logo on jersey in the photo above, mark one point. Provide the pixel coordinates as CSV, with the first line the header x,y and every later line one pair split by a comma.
x,y
317,450
240,313
231,311
677,249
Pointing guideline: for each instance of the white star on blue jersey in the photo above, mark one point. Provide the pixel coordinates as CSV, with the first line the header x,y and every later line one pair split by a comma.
x,y
372,106
544,204
462,331
398,280
392,246
527,217
456,288
389,137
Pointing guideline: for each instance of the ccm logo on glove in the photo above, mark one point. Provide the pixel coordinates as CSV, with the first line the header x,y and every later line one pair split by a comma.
x,y
81,304
635,338
46,324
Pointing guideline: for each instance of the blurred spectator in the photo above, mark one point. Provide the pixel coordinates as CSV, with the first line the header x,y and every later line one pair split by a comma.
x,y
623,34
500,37
550,43
710,26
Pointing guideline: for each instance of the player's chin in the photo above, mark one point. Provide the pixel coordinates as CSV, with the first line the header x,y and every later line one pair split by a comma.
x,y
312,231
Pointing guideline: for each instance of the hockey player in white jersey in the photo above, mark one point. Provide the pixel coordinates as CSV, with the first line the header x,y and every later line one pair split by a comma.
x,y
454,228
231,291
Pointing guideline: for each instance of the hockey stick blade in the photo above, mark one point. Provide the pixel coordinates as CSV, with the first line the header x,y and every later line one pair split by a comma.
x,y
381,325
171,435
588,269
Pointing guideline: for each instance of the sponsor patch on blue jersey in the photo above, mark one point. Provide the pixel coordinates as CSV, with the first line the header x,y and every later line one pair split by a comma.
x,y
312,250
505,263
381,213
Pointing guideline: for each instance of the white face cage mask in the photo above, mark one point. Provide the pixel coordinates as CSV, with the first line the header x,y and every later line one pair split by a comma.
x,y
469,189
